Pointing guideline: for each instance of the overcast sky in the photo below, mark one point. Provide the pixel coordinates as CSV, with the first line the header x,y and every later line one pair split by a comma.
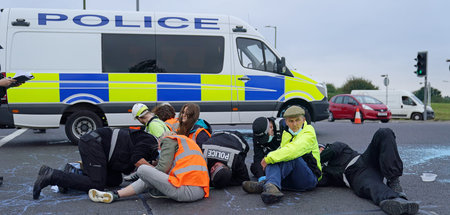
x,y
329,40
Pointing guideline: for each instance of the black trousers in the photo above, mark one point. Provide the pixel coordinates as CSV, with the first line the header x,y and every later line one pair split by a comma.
x,y
96,175
380,160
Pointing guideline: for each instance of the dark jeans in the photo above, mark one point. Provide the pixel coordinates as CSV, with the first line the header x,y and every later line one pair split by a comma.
x,y
291,175
380,160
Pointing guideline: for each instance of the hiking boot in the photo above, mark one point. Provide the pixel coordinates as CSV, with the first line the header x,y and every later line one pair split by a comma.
x,y
271,194
100,196
399,206
43,180
394,184
253,186
154,193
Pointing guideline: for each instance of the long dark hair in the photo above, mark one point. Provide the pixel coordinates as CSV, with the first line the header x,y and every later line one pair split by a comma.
x,y
192,114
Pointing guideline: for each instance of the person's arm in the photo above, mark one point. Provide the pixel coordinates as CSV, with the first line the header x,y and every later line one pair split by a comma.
x,y
157,128
331,151
303,143
239,171
202,137
168,149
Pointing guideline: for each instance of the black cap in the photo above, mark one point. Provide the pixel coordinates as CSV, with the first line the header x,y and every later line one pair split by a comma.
x,y
221,176
261,130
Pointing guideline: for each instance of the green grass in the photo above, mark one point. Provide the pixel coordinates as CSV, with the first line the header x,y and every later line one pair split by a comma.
x,y
441,111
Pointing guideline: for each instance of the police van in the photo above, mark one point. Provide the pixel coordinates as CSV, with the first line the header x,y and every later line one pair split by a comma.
x,y
90,67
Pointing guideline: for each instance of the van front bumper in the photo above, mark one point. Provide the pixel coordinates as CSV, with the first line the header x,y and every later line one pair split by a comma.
x,y
320,110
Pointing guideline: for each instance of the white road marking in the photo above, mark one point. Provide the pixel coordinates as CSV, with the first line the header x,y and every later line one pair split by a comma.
x,y
6,139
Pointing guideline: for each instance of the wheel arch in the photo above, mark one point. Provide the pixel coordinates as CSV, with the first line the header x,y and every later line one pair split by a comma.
x,y
83,106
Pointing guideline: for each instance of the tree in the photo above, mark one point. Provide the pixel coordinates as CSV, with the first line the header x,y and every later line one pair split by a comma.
x,y
354,83
436,95
332,91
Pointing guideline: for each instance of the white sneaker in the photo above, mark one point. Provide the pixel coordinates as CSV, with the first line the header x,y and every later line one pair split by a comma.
x,y
100,196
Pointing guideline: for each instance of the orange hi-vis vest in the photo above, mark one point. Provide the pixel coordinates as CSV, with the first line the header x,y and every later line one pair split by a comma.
x,y
189,166
194,135
173,124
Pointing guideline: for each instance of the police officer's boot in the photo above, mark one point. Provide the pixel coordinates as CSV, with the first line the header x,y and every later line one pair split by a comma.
x,y
399,206
394,184
43,180
271,194
253,186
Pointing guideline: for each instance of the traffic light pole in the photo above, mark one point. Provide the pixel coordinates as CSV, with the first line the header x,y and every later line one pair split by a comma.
x,y
425,98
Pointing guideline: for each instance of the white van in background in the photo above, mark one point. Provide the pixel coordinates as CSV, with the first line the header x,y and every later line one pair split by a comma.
x,y
402,103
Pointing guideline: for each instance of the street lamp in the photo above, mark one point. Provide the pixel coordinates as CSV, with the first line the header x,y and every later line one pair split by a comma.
x,y
274,27
386,83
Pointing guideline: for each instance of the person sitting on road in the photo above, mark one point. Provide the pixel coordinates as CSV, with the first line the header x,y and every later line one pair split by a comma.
x,y
167,114
191,126
364,173
153,124
225,154
295,165
105,154
266,138
181,174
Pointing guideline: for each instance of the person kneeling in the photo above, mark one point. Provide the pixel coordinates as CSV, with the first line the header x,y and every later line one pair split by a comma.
x,y
181,174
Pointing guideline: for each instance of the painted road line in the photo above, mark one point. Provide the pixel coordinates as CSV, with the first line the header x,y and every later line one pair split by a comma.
x,y
6,139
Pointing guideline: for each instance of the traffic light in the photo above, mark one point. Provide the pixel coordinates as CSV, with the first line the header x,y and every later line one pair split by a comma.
x,y
421,64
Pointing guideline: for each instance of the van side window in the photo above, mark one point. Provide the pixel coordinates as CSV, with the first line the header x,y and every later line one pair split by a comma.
x,y
254,54
407,101
123,53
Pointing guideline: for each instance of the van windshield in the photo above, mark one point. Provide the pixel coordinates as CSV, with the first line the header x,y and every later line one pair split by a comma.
x,y
367,100
416,99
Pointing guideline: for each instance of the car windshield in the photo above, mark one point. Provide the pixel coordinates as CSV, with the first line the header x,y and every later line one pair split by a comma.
x,y
367,100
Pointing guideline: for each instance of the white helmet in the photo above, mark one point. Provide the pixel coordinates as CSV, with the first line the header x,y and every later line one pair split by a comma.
x,y
139,110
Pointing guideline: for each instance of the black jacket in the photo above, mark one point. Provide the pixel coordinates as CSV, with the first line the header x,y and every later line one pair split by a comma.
x,y
131,146
335,158
232,148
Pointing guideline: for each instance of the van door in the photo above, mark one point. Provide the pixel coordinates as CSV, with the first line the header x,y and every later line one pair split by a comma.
x,y
407,107
259,87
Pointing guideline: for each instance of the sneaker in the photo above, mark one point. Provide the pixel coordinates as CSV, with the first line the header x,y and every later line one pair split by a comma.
x,y
253,186
271,194
399,206
131,177
100,196
394,184
154,193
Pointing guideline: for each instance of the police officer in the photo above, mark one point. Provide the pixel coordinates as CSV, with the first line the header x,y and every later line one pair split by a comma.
x,y
225,153
364,173
105,153
266,138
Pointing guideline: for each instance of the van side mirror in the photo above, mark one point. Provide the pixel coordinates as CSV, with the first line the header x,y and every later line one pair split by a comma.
x,y
281,66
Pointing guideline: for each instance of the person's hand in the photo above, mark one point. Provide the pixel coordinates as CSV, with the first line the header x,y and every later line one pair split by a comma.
x,y
5,82
142,161
263,164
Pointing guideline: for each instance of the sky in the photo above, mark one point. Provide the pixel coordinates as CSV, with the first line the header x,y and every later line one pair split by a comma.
x,y
328,40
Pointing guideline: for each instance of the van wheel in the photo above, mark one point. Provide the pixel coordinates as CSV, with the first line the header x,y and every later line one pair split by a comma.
x,y
307,116
331,117
80,123
416,116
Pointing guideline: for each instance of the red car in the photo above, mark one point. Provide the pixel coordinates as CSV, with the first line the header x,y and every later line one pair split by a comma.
x,y
344,106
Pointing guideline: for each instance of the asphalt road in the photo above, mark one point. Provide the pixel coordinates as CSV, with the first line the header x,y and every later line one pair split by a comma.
x,y
423,146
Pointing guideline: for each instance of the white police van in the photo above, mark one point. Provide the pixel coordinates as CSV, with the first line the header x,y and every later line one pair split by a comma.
x,y
90,67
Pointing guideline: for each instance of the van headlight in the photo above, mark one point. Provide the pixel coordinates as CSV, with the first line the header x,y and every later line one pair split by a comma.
x,y
322,87
366,107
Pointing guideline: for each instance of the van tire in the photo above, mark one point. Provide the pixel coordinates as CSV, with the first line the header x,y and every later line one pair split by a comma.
x,y
307,116
80,123
416,116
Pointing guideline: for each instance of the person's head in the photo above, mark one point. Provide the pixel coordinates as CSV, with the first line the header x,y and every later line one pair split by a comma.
x,y
262,129
141,113
164,111
220,175
295,117
188,116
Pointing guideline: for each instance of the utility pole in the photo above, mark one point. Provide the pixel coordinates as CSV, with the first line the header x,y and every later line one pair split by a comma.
x,y
137,5
386,83
84,4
